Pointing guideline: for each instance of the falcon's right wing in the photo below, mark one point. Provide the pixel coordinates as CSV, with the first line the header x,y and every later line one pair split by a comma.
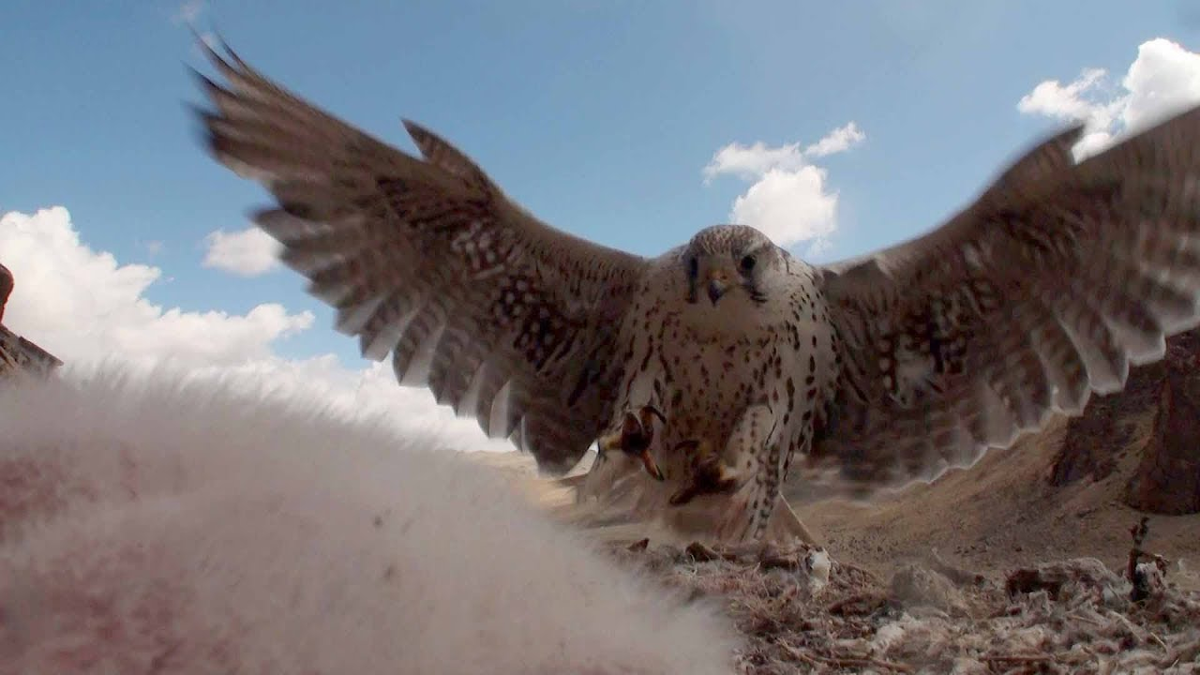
x,y
503,317
1043,290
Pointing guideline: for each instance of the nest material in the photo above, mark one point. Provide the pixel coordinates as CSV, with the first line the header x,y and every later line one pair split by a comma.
x,y
801,615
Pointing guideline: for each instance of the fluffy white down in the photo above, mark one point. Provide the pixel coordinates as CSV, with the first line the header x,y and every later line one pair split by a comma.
x,y
150,523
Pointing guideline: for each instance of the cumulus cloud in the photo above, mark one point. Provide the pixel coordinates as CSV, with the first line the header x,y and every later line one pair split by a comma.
x,y
790,206
88,309
248,253
752,161
83,304
1163,80
789,198
838,140
366,393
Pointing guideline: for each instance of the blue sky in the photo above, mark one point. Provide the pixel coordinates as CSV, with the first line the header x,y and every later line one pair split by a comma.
x,y
599,116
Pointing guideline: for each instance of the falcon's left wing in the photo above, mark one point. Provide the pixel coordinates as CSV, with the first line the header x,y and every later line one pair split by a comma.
x,y
503,317
1045,289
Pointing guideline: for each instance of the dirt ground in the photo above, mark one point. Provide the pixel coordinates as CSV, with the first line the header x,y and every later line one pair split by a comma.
x,y
986,570
1002,513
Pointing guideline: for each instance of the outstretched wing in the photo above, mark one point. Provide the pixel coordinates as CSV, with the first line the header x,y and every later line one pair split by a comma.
x,y
503,317
1045,289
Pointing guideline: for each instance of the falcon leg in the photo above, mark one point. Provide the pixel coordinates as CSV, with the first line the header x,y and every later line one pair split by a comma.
x,y
754,445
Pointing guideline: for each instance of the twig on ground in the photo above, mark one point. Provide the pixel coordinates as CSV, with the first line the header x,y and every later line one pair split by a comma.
x,y
1138,532
863,603
858,662
1017,658
1181,654
701,553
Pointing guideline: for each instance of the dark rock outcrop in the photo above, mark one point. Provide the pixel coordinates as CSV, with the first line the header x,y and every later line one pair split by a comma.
x,y
15,351
6,287
1167,478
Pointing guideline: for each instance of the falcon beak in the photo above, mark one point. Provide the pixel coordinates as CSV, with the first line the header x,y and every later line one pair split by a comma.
x,y
651,465
718,283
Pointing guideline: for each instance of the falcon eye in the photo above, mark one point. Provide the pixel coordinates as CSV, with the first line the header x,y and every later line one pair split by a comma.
x,y
748,263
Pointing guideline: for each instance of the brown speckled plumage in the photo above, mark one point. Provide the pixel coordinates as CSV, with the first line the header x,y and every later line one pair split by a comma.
x,y
892,367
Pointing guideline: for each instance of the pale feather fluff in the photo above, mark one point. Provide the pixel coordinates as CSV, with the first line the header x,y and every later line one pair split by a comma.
x,y
155,523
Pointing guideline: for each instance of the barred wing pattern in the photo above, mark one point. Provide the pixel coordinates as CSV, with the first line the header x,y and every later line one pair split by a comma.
x,y
1045,289
503,317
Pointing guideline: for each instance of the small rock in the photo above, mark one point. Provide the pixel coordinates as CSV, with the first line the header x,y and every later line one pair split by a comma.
x,y
916,585
1053,577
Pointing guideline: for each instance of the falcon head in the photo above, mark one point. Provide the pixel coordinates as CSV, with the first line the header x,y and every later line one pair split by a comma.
x,y
725,262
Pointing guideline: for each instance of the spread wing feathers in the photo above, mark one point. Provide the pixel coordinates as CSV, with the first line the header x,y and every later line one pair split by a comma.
x,y
504,318
1045,289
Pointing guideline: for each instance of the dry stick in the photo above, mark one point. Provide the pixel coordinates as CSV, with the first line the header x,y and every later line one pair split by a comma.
x,y
870,600
1187,652
1138,532
701,553
855,568
1018,658
845,661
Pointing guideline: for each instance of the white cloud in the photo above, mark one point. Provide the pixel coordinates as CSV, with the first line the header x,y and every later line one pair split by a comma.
x,y
838,140
87,308
1073,101
367,393
789,206
83,304
249,252
1163,80
751,161
790,199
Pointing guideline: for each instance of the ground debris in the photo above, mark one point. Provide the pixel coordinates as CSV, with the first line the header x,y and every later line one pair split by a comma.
x,y
1146,578
1070,616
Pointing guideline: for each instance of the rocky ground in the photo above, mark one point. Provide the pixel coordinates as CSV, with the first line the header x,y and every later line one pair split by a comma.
x,y
802,612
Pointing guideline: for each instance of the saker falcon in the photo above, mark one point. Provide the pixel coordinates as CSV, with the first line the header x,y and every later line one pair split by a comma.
x,y
894,366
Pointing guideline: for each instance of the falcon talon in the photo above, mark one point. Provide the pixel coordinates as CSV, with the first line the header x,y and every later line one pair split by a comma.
x,y
709,475
635,437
